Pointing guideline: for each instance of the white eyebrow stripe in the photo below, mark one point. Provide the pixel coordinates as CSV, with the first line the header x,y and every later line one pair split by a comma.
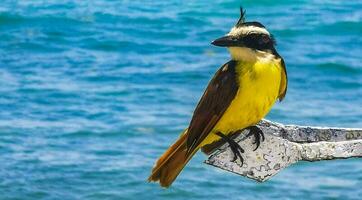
x,y
243,30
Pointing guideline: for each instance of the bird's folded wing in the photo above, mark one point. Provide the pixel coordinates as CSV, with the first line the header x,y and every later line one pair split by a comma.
x,y
283,82
216,99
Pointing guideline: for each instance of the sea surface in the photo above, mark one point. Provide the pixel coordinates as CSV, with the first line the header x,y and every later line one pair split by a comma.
x,y
92,93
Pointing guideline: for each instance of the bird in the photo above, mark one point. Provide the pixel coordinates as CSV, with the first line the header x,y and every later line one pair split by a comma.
x,y
239,95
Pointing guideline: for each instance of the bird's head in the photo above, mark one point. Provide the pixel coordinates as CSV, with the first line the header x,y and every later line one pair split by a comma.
x,y
247,40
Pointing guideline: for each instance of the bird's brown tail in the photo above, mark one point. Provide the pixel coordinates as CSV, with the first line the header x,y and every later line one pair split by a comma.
x,y
170,164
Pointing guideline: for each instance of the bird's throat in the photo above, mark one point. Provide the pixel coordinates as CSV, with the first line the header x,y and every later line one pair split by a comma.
x,y
242,54
249,55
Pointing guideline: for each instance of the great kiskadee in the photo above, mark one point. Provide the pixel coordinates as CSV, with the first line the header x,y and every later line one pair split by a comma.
x,y
239,95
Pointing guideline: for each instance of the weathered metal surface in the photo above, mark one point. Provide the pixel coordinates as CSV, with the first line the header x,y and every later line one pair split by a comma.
x,y
285,145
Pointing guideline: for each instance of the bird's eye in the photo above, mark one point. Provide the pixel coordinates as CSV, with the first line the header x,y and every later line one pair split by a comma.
x,y
264,39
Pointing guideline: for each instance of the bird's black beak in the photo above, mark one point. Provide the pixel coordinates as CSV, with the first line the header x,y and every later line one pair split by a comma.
x,y
226,41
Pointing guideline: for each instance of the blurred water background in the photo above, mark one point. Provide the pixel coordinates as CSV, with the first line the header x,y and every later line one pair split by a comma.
x,y
93,93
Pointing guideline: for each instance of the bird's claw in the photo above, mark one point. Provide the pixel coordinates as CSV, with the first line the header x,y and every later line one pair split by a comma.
x,y
258,135
234,146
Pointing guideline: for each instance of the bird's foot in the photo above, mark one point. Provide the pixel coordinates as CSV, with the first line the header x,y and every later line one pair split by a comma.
x,y
234,146
258,135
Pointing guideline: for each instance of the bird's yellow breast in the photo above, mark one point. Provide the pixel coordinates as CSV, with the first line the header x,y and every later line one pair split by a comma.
x,y
259,84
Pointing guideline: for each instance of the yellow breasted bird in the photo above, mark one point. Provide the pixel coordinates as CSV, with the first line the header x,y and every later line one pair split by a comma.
x,y
239,95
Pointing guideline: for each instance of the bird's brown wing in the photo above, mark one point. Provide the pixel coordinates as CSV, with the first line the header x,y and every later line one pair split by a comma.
x,y
216,99
284,81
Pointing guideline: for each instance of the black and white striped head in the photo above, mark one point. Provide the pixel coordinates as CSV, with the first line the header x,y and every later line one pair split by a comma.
x,y
247,35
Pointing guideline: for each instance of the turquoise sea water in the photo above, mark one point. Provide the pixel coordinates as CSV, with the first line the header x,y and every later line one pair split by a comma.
x,y
92,94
